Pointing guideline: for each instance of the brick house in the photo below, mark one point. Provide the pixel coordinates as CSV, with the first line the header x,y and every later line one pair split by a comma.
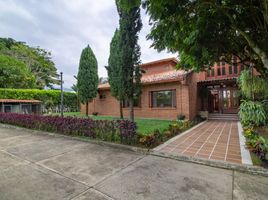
x,y
167,92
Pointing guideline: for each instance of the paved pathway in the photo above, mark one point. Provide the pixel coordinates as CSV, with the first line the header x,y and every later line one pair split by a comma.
x,y
217,140
44,167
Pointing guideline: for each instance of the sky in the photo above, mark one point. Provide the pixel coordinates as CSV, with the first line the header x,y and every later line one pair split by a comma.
x,y
65,27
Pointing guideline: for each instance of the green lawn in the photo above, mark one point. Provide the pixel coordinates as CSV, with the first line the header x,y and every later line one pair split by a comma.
x,y
145,126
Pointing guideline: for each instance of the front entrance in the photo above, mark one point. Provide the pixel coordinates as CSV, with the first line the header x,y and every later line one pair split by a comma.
x,y
223,100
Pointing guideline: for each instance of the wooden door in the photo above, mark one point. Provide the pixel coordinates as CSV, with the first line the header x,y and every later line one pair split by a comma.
x,y
229,100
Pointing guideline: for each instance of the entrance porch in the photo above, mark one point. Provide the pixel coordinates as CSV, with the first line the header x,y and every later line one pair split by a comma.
x,y
219,96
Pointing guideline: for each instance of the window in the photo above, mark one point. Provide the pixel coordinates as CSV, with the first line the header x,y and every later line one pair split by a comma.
x,y
230,69
136,102
219,70
223,70
165,98
7,108
235,68
26,108
208,72
212,72
102,96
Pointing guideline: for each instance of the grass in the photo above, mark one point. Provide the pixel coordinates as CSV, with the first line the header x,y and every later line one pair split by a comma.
x,y
145,126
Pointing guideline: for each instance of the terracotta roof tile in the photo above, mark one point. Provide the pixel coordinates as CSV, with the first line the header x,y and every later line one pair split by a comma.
x,y
167,76
173,59
18,101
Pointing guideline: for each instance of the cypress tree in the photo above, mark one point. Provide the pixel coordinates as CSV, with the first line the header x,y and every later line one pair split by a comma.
x,y
130,73
114,69
87,78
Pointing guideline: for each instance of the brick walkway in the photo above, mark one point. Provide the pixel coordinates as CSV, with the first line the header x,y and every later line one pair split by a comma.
x,y
217,140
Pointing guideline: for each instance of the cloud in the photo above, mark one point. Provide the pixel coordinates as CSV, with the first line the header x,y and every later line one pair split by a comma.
x,y
66,27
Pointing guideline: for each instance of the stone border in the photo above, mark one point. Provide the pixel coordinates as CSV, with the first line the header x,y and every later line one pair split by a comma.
x,y
178,136
139,150
214,163
246,158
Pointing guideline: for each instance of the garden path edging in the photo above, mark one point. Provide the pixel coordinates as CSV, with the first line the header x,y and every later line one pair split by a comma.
x,y
246,158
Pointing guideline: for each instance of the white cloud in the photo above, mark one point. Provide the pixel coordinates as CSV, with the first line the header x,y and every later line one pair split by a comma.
x,y
66,27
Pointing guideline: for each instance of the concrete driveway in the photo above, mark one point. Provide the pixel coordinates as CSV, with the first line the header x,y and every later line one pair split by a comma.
x,y
40,166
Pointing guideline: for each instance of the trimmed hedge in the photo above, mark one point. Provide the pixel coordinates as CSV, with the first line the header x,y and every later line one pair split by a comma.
x,y
51,97
122,131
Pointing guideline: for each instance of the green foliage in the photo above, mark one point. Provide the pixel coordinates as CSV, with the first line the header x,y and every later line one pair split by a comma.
x,y
202,32
159,136
253,86
114,68
252,113
259,146
129,60
15,74
36,59
48,97
87,78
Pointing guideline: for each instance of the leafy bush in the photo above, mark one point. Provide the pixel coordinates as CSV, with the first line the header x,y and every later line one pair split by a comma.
x,y
48,97
249,132
123,131
252,113
158,137
127,131
253,86
259,146
152,140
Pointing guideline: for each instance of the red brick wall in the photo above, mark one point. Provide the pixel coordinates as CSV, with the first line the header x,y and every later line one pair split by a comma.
x,y
110,106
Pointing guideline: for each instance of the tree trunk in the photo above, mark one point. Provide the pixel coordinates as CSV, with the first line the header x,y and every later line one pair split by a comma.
x,y
131,110
87,109
121,109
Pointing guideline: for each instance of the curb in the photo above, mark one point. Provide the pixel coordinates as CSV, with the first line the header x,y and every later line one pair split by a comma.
x,y
139,150
245,168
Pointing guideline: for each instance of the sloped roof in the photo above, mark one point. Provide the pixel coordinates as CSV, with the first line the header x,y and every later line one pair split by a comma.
x,y
18,101
167,76
172,59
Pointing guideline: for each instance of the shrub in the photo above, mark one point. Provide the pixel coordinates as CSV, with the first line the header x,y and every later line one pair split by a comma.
x,y
259,146
123,131
152,140
158,137
127,131
180,117
249,132
252,113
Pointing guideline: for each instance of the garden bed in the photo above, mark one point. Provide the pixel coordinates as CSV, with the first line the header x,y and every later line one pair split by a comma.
x,y
113,130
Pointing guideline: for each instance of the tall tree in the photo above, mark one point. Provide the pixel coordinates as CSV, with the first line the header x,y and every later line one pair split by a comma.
x,y
15,74
87,78
204,32
36,59
114,71
130,73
